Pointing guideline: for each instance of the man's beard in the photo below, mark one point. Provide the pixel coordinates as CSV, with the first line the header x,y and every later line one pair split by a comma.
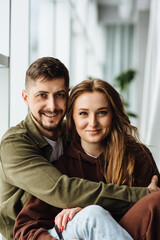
x,y
50,129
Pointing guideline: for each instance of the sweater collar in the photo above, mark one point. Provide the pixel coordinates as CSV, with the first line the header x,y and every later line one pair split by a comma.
x,y
78,150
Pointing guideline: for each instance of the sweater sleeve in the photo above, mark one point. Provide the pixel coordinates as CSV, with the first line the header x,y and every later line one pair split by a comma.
x,y
33,221
145,168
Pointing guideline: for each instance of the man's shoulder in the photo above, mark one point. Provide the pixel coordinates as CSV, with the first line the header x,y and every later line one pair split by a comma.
x,y
25,128
24,132
12,132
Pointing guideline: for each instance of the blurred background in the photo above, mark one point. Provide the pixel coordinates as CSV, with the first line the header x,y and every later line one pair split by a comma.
x,y
115,40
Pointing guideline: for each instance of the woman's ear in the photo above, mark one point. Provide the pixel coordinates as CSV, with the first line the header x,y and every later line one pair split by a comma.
x,y
25,96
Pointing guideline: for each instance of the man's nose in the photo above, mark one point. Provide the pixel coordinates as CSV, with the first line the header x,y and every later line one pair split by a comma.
x,y
51,104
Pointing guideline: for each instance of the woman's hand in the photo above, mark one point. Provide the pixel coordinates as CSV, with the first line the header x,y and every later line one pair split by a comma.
x,y
64,216
153,185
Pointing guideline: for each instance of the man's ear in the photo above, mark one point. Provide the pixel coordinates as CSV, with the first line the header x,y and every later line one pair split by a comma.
x,y
25,96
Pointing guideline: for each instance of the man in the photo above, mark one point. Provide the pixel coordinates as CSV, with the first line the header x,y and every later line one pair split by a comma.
x,y
27,151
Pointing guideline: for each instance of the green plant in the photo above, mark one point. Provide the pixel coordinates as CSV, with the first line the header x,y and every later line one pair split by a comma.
x,y
125,78
122,81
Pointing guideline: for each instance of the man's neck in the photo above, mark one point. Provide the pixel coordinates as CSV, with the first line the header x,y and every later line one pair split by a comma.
x,y
53,136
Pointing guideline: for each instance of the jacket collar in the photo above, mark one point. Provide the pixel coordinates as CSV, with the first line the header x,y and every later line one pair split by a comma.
x,y
34,131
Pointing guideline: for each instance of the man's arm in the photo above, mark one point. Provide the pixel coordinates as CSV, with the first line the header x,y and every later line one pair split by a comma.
x,y
25,168
153,185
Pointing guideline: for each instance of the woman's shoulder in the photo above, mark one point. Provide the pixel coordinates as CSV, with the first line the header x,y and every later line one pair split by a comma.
x,y
138,149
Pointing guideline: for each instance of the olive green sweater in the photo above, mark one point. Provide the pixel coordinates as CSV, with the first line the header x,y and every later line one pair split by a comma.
x,y
25,169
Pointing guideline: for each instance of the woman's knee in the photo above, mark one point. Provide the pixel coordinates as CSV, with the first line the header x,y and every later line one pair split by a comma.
x,y
147,206
95,210
95,213
151,201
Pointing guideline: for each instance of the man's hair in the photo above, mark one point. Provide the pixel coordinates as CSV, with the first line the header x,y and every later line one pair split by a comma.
x,y
46,68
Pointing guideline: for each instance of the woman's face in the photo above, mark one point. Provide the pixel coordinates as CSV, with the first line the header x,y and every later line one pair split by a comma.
x,y
92,116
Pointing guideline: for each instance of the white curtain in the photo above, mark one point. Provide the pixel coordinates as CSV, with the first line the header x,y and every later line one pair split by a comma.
x,y
150,119
119,50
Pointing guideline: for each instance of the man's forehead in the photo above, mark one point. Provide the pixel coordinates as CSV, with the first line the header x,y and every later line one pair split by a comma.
x,y
52,82
44,79
53,85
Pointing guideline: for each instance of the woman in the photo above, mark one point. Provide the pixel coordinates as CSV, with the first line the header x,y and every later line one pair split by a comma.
x,y
99,105
104,147
100,127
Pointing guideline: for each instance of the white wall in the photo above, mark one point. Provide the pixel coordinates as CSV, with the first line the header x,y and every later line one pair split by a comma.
x,y
4,26
4,70
4,103
19,58
69,36
15,45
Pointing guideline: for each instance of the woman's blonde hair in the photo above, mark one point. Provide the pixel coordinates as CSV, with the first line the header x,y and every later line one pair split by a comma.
x,y
118,164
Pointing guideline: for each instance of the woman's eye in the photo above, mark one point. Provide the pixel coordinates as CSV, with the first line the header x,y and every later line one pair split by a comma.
x,y
83,113
102,113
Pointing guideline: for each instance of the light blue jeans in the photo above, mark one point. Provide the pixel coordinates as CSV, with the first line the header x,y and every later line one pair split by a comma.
x,y
93,223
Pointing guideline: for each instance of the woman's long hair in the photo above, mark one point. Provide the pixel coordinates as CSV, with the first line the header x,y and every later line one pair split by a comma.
x,y
118,163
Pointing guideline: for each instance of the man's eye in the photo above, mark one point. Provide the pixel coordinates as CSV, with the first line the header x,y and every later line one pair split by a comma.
x,y
60,95
42,95
83,113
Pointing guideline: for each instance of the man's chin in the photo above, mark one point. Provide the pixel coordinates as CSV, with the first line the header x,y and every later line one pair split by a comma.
x,y
50,128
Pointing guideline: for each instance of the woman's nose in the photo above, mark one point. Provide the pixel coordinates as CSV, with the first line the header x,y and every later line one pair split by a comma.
x,y
93,121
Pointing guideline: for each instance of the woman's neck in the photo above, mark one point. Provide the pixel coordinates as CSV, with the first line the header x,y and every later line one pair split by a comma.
x,y
94,149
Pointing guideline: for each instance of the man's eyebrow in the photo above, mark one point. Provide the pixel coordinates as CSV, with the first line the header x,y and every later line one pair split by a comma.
x,y
62,91
38,92
59,91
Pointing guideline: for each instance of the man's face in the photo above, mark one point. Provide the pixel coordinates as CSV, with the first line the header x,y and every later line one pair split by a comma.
x,y
46,100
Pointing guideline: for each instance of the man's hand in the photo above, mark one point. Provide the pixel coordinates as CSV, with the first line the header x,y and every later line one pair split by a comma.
x,y
153,185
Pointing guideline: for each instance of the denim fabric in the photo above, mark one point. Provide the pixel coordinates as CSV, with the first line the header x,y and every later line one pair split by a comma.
x,y
93,223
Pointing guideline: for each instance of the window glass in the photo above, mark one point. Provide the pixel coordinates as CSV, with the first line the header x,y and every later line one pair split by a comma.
x,y
42,28
4,64
4,27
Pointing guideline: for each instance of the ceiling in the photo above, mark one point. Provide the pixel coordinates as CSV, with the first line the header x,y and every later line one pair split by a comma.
x,y
142,4
121,11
